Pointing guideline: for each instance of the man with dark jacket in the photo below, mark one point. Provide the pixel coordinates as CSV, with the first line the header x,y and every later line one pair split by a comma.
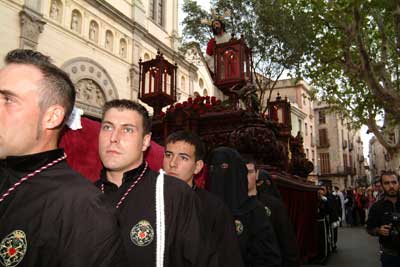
x,y
384,220
49,214
269,195
183,158
158,213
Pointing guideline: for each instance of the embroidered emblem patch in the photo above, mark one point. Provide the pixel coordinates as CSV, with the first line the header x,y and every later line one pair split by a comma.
x,y
268,210
142,234
13,248
239,227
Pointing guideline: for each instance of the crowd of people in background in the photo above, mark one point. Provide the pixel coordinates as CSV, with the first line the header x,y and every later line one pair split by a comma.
x,y
342,208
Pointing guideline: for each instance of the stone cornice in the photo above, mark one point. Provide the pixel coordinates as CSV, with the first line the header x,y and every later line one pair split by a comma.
x,y
299,113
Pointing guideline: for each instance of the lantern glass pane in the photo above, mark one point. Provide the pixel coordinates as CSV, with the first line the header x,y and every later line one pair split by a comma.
x,y
168,84
280,115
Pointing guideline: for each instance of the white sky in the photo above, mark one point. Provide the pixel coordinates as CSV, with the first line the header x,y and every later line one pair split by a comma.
x,y
206,5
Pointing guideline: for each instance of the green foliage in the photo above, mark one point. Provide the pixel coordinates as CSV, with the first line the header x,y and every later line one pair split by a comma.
x,y
193,29
349,48
271,57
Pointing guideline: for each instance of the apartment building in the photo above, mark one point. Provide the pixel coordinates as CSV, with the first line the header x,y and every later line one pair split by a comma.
x,y
339,147
302,115
379,159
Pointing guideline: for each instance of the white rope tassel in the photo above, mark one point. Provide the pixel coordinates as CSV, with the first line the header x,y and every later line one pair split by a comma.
x,y
160,217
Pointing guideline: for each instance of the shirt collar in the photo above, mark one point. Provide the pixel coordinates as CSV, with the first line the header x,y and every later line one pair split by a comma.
x,y
21,165
128,176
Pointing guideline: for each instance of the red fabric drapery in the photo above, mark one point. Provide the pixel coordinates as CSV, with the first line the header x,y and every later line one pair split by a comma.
x,y
302,209
82,149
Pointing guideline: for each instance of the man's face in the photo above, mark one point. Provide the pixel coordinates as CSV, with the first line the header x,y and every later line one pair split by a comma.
x,y
217,27
251,176
390,185
180,161
20,126
378,187
121,140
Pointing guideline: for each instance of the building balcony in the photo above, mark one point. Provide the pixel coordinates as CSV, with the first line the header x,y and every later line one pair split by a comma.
x,y
345,170
323,144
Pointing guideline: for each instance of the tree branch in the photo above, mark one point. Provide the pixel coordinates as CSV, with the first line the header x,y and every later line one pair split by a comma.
x,y
389,99
390,148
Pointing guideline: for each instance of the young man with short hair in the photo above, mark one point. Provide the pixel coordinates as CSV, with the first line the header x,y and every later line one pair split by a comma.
x,y
183,158
158,214
49,214
381,220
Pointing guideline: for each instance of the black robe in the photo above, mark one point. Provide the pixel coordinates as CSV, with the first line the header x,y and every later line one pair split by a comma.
x,y
257,238
183,237
270,197
57,217
228,180
283,229
219,230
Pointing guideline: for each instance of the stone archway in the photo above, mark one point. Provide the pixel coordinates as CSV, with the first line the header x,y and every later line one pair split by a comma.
x,y
93,85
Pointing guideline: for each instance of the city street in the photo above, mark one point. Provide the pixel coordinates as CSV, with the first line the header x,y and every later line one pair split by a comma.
x,y
355,249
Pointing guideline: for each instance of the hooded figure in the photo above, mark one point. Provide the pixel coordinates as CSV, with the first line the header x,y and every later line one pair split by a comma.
x,y
270,197
228,180
265,185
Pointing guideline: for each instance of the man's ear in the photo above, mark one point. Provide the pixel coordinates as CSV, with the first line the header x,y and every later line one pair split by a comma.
x,y
199,166
53,117
146,141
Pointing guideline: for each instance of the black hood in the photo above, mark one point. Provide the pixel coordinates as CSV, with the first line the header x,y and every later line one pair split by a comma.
x,y
267,186
228,179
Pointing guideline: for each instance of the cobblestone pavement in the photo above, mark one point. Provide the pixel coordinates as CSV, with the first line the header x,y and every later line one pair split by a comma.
x,y
355,249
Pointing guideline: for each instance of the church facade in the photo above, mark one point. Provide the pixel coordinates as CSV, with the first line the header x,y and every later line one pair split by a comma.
x,y
99,44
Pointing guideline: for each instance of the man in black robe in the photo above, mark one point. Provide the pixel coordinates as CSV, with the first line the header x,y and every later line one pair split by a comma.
x,y
183,158
158,214
228,180
49,214
269,195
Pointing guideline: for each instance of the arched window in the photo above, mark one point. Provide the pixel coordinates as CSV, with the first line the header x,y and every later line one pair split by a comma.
x,y
146,56
205,92
109,41
56,10
183,83
201,83
76,21
94,31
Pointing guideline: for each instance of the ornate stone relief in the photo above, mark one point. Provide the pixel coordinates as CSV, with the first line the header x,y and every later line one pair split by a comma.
x,y
90,92
76,21
31,27
122,48
109,41
93,84
55,12
93,31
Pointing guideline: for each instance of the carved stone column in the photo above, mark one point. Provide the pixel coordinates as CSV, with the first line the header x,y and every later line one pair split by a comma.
x,y
31,27
134,79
